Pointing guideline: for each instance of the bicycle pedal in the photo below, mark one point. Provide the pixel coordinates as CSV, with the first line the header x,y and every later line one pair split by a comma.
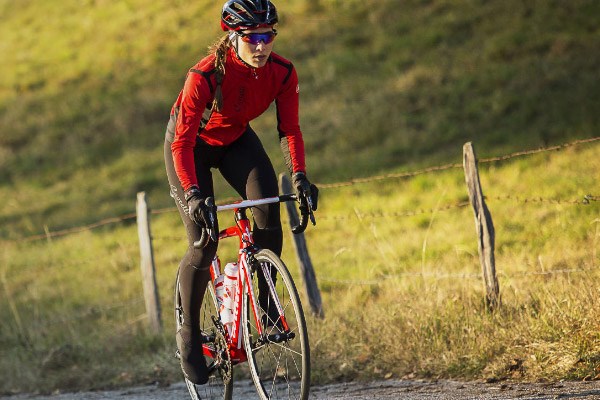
x,y
281,337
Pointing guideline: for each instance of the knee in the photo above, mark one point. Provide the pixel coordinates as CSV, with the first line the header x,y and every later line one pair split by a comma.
x,y
201,258
267,217
269,238
272,231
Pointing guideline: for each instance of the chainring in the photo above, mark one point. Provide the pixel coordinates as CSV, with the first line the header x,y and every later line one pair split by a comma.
x,y
223,358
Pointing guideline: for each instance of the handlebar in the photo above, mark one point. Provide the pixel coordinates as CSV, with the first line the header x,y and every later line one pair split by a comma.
x,y
210,233
306,213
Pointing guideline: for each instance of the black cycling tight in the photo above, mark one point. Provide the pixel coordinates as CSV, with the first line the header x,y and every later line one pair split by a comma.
x,y
247,168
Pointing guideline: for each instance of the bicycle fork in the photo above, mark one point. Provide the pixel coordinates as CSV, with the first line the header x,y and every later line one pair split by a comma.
x,y
277,337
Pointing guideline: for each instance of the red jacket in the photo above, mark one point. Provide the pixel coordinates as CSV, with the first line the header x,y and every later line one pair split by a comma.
x,y
247,93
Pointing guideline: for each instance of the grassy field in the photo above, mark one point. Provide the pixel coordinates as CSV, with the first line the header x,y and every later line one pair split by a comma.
x,y
86,91
404,251
84,97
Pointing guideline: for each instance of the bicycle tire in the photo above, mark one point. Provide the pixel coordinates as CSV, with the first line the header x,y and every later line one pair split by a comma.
x,y
280,368
217,387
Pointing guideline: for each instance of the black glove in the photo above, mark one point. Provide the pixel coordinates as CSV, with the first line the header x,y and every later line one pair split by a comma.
x,y
304,188
197,209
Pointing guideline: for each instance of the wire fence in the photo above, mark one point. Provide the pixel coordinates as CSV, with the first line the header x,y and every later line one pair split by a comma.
x,y
391,214
455,276
445,167
587,199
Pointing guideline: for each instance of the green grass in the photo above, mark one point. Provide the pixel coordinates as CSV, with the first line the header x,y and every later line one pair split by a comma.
x,y
87,88
401,289
386,87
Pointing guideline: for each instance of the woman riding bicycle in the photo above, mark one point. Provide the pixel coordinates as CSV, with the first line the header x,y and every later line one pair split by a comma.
x,y
209,128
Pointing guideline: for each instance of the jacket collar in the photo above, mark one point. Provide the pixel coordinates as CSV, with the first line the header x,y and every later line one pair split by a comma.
x,y
241,66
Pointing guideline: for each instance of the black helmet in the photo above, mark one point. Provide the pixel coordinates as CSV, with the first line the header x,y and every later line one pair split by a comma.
x,y
248,14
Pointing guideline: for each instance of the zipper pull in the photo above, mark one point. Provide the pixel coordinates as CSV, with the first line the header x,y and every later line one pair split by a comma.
x,y
254,73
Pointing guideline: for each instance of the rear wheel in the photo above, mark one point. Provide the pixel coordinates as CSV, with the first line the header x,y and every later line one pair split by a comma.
x,y
220,383
279,358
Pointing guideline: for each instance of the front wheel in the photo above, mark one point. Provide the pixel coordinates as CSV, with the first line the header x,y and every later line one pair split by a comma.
x,y
220,383
275,334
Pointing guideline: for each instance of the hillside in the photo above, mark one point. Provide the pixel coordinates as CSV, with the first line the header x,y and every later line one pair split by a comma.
x,y
387,86
398,269
86,90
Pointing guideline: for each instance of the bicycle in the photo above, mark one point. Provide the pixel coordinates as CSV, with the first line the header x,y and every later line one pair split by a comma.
x,y
269,329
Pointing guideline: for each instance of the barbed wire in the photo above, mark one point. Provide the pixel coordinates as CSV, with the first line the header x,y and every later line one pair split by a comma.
x,y
539,150
514,275
397,214
397,276
354,181
375,178
551,272
586,200
68,231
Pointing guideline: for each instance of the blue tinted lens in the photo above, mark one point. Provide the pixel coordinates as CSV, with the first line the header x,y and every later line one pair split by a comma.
x,y
256,38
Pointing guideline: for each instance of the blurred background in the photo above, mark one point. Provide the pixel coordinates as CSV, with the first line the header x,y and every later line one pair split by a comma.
x,y
387,87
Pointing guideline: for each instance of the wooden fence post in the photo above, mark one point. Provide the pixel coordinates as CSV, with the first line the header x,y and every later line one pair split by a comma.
x,y
147,264
306,267
484,225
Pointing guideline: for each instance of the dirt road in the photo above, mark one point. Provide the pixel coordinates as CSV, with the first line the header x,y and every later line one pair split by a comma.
x,y
390,389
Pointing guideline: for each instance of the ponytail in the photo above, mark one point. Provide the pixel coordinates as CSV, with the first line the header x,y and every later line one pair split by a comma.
x,y
220,49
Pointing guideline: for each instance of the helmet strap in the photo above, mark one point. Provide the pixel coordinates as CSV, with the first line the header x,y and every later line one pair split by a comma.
x,y
234,37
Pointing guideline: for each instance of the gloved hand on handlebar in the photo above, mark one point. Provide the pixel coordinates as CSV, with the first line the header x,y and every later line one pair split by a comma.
x,y
197,209
304,188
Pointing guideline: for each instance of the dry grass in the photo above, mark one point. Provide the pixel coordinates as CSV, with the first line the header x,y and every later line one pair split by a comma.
x,y
401,287
398,271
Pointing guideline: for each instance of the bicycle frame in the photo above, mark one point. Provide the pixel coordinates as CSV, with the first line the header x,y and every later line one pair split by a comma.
x,y
247,249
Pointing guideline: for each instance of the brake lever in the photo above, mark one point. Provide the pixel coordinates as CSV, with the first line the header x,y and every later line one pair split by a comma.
x,y
210,203
310,210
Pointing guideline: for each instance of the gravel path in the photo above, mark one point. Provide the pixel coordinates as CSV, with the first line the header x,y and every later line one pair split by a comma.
x,y
390,389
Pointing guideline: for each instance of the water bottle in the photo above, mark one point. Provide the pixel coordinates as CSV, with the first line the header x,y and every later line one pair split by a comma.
x,y
220,294
230,274
230,283
219,286
225,288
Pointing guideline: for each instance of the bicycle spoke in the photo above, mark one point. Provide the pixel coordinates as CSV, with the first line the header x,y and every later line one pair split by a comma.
x,y
286,348
285,377
289,350
278,366
279,358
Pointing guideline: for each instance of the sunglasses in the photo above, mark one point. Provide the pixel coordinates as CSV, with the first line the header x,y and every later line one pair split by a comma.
x,y
256,38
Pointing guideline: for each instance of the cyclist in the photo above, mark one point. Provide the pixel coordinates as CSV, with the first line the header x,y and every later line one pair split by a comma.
x,y
209,128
